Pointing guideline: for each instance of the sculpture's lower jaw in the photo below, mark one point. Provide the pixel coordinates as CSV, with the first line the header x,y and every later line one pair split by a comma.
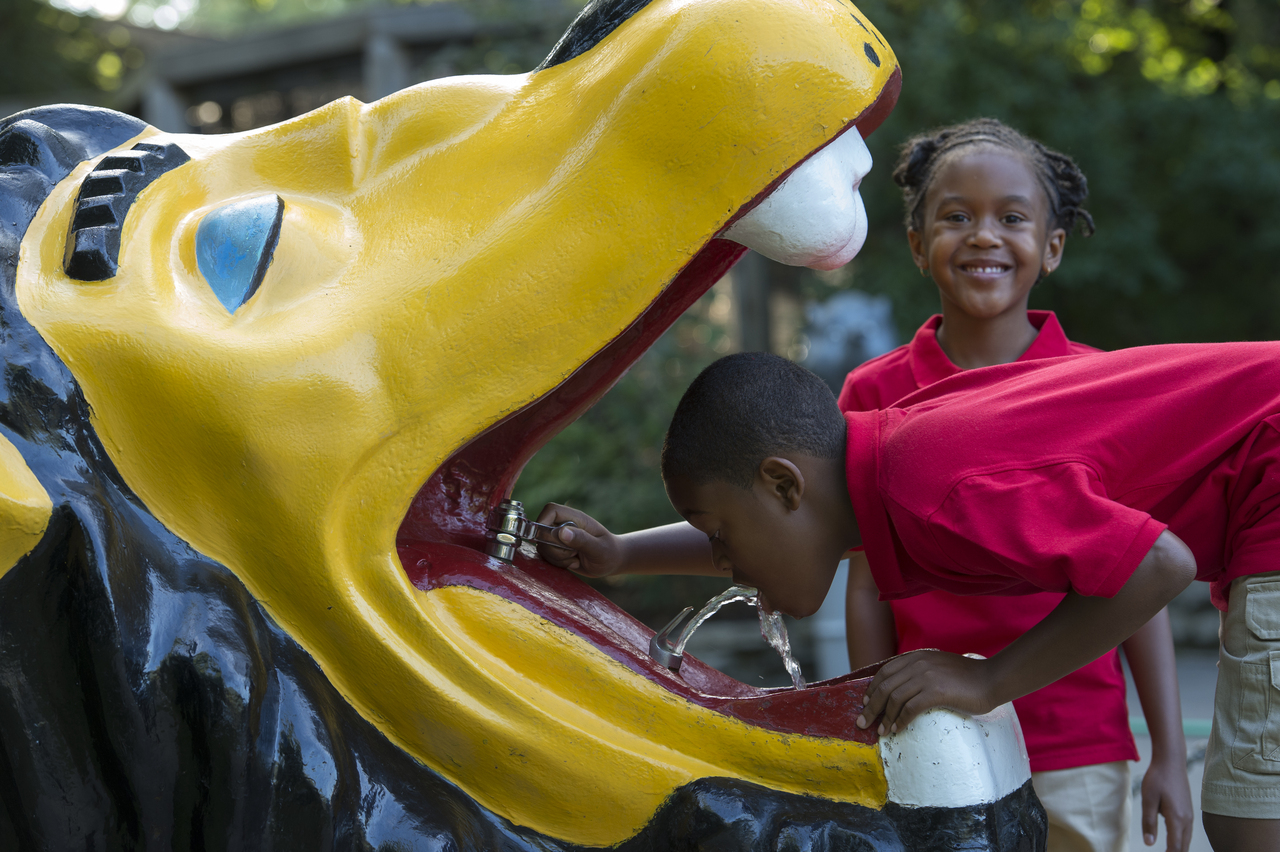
x,y
569,728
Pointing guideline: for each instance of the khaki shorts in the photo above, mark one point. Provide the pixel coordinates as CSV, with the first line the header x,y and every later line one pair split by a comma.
x,y
1242,763
1088,806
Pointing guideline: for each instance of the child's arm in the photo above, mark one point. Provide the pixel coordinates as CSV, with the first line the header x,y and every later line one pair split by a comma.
x,y
596,552
1078,630
1165,789
868,621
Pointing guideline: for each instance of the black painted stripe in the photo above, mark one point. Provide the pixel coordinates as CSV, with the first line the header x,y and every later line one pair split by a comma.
x,y
93,241
592,26
1015,823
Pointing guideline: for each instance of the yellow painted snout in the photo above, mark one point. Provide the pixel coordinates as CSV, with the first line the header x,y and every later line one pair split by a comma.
x,y
447,256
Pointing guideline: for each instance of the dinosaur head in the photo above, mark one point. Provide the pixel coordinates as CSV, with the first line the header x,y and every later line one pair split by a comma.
x,y
444,259
417,294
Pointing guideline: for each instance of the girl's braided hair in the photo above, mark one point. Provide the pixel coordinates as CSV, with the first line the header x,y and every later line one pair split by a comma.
x,y
1063,182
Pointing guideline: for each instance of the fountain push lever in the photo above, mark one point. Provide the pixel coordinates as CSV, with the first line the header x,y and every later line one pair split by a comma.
x,y
508,527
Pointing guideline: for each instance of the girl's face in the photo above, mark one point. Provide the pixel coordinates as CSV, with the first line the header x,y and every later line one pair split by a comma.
x,y
986,235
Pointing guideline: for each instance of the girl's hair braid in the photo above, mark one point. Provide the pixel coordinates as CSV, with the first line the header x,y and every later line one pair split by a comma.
x,y
1063,182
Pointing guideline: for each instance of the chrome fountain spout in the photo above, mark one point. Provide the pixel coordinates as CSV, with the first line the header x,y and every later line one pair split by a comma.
x,y
661,646
667,645
670,652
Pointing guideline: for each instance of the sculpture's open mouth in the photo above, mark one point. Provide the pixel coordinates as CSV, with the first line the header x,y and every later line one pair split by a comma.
x,y
454,504
442,539
280,424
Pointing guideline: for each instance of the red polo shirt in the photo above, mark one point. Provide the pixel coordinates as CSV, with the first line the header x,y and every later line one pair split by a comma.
x,y
1080,720
881,382
1060,474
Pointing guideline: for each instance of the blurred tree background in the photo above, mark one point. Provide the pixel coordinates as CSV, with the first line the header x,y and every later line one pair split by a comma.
x,y
1172,108
50,50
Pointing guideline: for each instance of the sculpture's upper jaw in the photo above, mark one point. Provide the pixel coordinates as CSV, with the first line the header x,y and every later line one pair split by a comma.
x,y
447,277
445,257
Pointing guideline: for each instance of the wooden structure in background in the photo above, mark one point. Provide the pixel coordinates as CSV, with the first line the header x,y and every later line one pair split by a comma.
x,y
259,79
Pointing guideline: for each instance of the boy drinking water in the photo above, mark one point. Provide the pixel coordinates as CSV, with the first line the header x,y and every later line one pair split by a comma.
x,y
1115,479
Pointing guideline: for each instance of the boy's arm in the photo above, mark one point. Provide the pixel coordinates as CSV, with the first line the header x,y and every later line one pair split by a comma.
x,y
1165,789
1078,630
868,621
596,552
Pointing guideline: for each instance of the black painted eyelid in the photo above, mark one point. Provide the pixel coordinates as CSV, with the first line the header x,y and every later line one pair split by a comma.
x,y
93,241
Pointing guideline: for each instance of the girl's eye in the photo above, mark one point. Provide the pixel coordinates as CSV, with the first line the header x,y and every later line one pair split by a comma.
x,y
1014,218
956,217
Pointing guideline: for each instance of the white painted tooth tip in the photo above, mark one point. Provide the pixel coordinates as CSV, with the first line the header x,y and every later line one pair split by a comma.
x,y
947,759
815,217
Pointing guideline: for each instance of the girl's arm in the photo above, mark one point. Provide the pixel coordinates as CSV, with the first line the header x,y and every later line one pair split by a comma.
x,y
1078,630
1165,789
868,621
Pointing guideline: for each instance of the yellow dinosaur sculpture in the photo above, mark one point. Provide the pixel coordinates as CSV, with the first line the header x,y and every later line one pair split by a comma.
x,y
445,258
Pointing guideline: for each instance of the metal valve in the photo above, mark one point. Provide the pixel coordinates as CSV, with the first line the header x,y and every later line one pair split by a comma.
x,y
508,527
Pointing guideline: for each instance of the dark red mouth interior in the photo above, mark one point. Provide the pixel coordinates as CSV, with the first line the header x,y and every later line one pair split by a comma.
x,y
442,538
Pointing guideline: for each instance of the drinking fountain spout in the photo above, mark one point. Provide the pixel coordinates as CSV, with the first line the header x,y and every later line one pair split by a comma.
x,y
670,652
662,649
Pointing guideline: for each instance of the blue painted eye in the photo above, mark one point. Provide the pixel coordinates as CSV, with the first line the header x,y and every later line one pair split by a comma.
x,y
234,245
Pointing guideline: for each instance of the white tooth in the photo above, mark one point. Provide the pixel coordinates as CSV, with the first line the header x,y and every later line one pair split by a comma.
x,y
815,217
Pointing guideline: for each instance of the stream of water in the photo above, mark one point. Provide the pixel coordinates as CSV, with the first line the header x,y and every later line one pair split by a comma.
x,y
771,626
775,633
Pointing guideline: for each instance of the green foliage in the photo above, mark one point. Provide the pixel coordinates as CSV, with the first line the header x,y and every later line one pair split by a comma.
x,y
47,50
1182,178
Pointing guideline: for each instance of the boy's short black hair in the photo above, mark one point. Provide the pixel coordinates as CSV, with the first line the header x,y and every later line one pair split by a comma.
x,y
743,409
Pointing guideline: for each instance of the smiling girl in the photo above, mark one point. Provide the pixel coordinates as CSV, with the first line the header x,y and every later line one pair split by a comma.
x,y
988,213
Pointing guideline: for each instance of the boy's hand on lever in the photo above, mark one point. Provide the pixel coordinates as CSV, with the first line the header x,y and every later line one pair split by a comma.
x,y
908,685
593,550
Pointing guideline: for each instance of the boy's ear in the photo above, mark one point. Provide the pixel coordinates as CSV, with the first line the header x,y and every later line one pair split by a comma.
x,y
782,480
